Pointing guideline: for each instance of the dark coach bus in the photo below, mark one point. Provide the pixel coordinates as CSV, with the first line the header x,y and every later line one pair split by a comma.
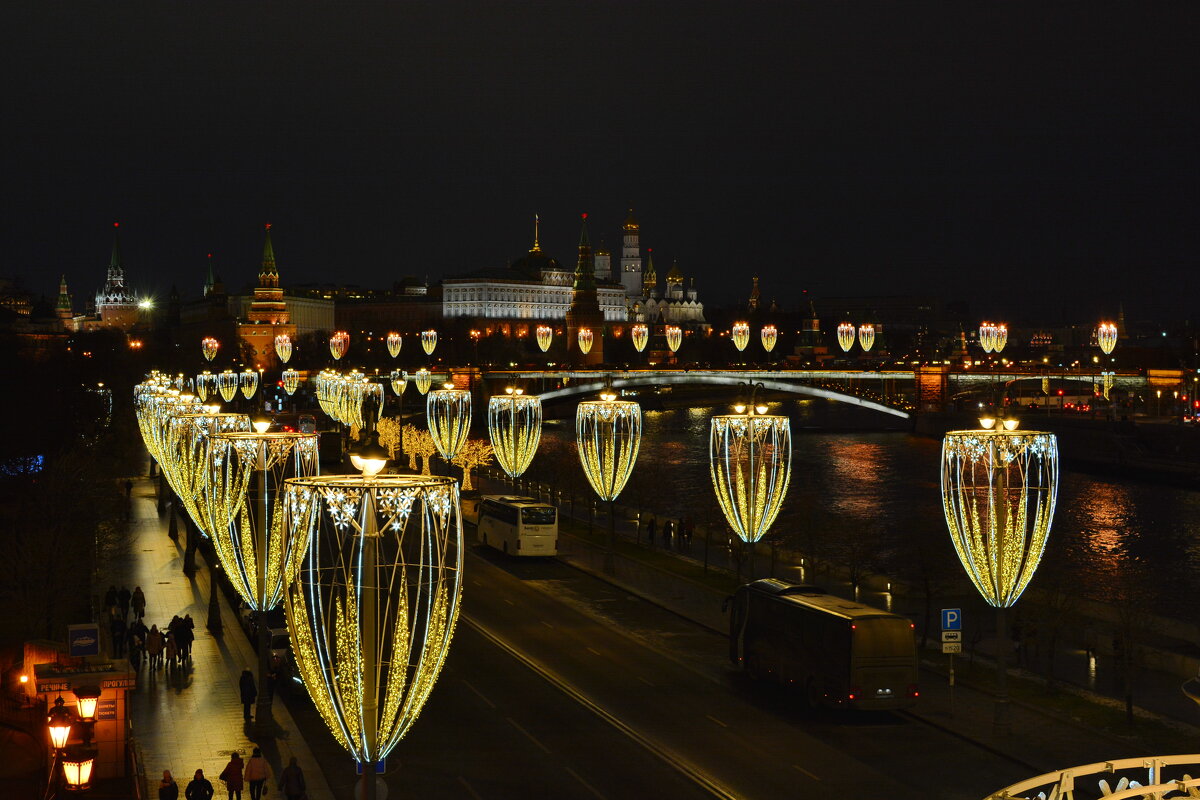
x,y
840,653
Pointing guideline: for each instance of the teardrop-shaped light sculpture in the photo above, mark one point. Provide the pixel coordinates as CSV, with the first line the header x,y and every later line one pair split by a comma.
x,y
187,458
339,343
394,342
1106,337
866,336
750,463
249,383
283,347
609,435
987,336
1001,337
373,600
845,336
741,335
769,336
640,334
674,338
227,385
205,383
399,380
545,335
448,412
515,427
1109,379
291,381
999,489
209,346
428,341
423,379
585,340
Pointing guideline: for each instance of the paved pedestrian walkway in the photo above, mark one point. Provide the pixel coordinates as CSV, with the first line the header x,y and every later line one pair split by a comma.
x,y
190,717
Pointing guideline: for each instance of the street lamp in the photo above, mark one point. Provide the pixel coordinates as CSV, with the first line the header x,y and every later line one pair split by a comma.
x,y
741,335
448,413
845,335
608,432
515,428
394,342
372,601
999,487
86,699
58,721
77,764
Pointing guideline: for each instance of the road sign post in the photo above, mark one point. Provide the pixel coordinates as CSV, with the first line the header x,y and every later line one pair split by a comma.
x,y
951,642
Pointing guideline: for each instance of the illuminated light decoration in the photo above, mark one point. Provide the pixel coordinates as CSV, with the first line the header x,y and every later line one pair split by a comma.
x,y
373,602
845,335
283,347
770,334
399,380
448,412
1001,338
866,336
609,435
423,379
1046,386
244,508
999,489
291,381
585,340
987,337
339,343
515,428
741,335
186,458
227,385
209,346
429,341
1106,337
1109,379
249,383
750,464
394,342
205,383
640,335
545,335
674,338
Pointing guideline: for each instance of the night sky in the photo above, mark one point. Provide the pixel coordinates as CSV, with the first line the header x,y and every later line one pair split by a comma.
x,y
1030,159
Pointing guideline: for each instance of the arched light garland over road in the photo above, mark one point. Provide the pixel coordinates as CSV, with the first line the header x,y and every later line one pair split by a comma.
x,y
339,343
448,413
428,341
399,380
227,385
515,428
249,383
674,338
741,335
394,343
769,336
585,337
283,347
845,335
1106,337
866,336
423,380
750,463
209,346
291,381
640,335
545,335
372,605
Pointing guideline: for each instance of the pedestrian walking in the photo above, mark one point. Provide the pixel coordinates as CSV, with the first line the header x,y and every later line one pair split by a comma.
x,y
116,627
650,528
679,533
110,597
291,781
232,775
256,774
186,635
168,789
123,597
667,534
199,788
171,651
128,489
138,601
248,691
273,671
154,646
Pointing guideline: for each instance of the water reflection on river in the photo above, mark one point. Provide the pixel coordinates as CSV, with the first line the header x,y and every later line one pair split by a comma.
x,y
855,481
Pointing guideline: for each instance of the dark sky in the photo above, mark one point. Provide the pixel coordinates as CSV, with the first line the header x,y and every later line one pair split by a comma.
x,y
1029,157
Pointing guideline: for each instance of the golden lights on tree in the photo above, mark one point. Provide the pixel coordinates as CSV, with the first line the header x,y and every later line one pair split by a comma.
x,y
609,435
674,337
770,334
283,347
515,428
423,380
640,335
373,602
741,335
448,412
339,343
545,335
845,336
428,341
394,342
750,464
866,336
209,346
585,338
1106,337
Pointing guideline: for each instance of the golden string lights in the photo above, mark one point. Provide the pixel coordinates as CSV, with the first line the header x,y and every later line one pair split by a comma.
x,y
291,381
866,336
399,380
448,412
429,341
209,347
373,602
640,335
750,464
515,428
189,442
608,432
545,335
585,337
674,338
345,398
249,382
1001,338
423,380
283,347
339,343
227,385
845,336
1106,337
394,342
987,336
769,336
741,335
205,383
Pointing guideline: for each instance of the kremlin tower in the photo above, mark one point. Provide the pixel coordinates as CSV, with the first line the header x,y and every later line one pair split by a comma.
x,y
584,311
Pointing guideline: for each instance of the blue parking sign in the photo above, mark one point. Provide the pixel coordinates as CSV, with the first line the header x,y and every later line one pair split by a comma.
x,y
952,619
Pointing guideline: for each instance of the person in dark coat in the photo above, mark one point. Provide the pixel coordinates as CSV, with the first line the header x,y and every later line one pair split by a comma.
x,y
651,526
667,534
110,597
232,775
123,598
248,691
117,629
187,635
291,781
199,788
138,601
168,789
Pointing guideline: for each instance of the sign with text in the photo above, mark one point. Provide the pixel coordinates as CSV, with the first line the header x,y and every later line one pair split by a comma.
x,y
106,709
952,619
951,647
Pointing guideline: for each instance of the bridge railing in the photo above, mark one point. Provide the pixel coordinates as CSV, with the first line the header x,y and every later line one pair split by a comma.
x,y
1144,780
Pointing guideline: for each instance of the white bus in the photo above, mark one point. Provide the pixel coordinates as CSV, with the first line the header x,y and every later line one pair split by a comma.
x,y
520,526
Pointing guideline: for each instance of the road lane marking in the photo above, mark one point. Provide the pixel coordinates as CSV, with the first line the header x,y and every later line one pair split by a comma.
x,y
528,735
643,680
510,602
467,786
586,785
714,719
806,772
479,694
593,651
548,625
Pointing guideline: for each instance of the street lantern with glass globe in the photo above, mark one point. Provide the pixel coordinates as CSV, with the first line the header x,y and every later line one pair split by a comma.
x,y
394,342
999,487
77,766
373,600
845,336
58,722
585,337
750,464
429,341
545,335
641,335
283,347
608,433
209,347
86,700
515,428
741,335
448,413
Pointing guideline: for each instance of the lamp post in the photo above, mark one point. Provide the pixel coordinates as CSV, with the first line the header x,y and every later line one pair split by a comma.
x,y
999,487
77,765
608,432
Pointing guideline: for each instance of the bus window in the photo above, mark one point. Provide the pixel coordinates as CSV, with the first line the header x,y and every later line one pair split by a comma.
x,y
538,515
882,638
